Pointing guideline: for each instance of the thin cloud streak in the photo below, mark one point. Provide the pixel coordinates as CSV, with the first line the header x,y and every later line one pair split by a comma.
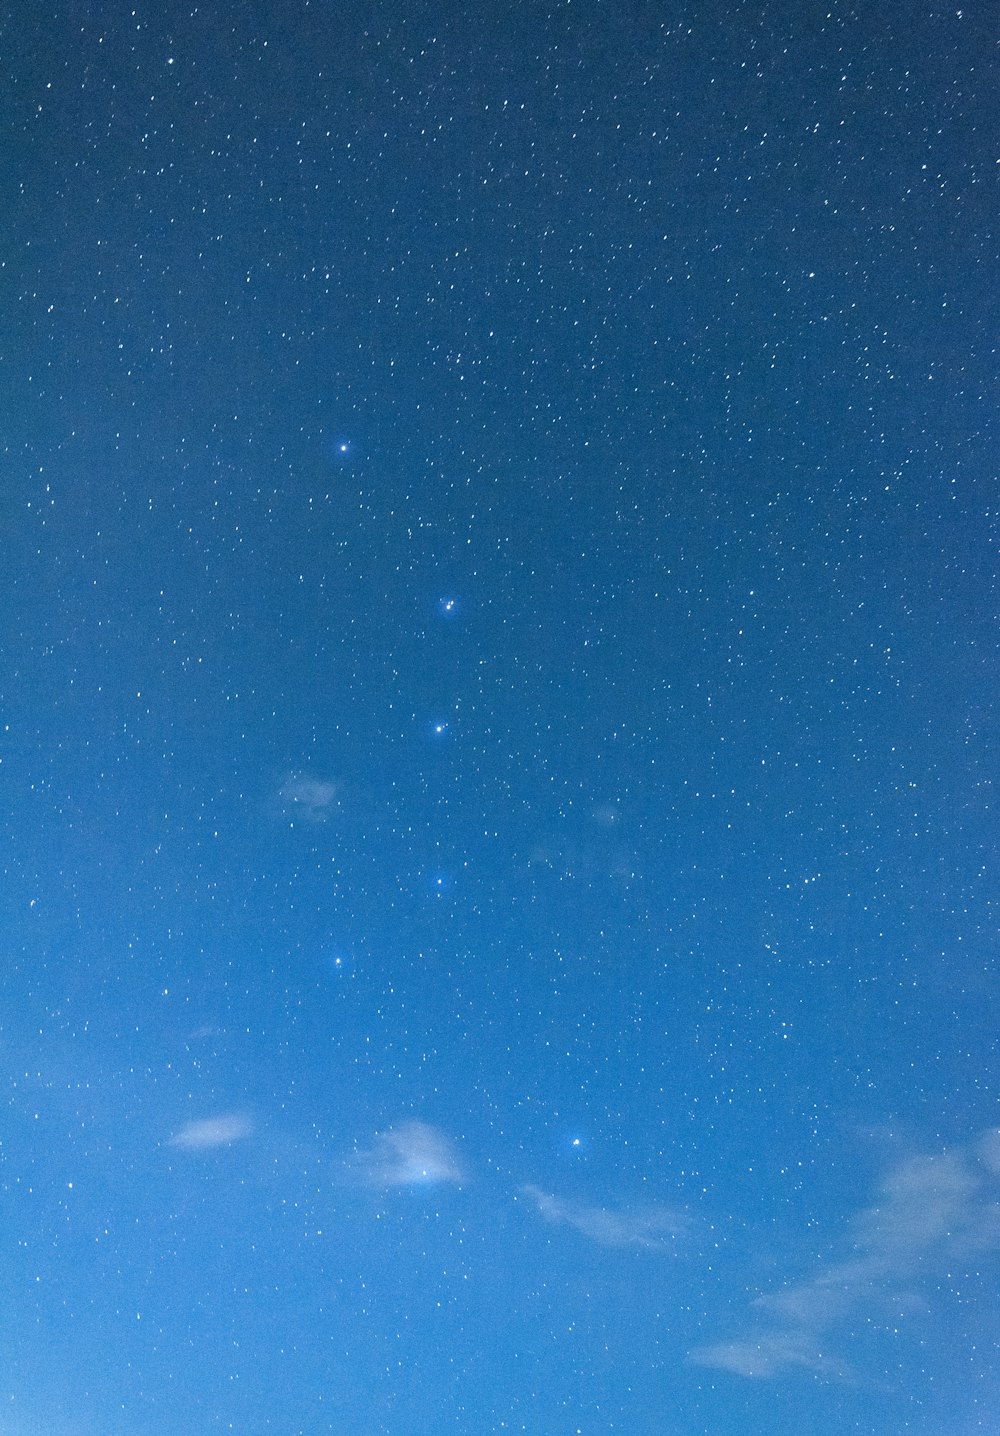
x,y
769,1353
642,1228
210,1132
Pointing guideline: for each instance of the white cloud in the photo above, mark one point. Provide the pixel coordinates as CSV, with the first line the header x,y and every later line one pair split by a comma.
x,y
413,1154
211,1132
767,1353
310,799
930,1211
650,1228
923,1200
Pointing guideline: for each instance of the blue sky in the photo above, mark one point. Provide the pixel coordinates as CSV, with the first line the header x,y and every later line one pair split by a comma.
x,y
498,925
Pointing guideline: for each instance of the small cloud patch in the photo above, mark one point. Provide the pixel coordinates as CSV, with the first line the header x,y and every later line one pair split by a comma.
x,y
413,1154
211,1132
311,800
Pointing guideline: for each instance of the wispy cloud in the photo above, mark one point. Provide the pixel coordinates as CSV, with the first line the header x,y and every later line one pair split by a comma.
x,y
930,1211
649,1228
312,800
211,1132
988,1148
413,1154
769,1352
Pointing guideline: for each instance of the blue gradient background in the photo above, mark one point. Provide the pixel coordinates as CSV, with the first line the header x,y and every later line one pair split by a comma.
x,y
623,1058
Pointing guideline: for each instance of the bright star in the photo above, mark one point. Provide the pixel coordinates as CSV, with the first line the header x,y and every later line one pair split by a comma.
x,y
344,450
575,1145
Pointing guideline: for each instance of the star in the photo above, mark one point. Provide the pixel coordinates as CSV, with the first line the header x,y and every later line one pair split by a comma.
x,y
344,449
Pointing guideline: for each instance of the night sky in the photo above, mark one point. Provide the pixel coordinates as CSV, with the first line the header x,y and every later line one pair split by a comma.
x,y
499,718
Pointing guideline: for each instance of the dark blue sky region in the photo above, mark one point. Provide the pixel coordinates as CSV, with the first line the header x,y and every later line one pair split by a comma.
x,y
498,733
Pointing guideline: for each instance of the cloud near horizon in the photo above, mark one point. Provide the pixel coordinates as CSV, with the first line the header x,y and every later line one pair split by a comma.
x,y
931,1211
650,1228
